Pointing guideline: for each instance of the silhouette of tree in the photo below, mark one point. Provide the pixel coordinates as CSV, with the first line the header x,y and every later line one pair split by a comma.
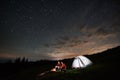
x,y
17,60
23,60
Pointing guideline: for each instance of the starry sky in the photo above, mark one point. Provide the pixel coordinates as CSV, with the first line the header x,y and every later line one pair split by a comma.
x,y
58,29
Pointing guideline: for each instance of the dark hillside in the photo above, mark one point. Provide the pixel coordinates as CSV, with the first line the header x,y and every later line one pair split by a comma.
x,y
109,56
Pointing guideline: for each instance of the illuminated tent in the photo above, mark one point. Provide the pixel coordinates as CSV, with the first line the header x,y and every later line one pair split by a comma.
x,y
81,62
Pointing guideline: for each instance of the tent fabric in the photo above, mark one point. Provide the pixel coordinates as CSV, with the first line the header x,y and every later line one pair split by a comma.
x,y
81,62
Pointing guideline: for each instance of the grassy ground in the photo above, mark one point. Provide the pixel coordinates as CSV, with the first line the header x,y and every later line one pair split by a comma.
x,y
99,71
28,73
93,72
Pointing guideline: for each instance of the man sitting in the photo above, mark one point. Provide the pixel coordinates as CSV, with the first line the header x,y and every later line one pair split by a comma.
x,y
63,66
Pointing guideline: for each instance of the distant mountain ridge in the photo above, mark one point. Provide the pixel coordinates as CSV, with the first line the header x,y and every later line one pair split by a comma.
x,y
110,55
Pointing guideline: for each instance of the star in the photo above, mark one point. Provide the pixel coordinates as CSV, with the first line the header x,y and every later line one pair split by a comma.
x,y
30,17
11,30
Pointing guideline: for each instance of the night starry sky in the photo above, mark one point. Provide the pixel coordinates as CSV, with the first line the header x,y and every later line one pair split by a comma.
x,y
58,29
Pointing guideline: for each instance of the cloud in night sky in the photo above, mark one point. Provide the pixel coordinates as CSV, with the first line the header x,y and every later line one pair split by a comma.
x,y
58,29
93,40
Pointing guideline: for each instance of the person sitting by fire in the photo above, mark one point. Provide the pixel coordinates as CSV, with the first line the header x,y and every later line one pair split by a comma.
x,y
63,66
58,66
